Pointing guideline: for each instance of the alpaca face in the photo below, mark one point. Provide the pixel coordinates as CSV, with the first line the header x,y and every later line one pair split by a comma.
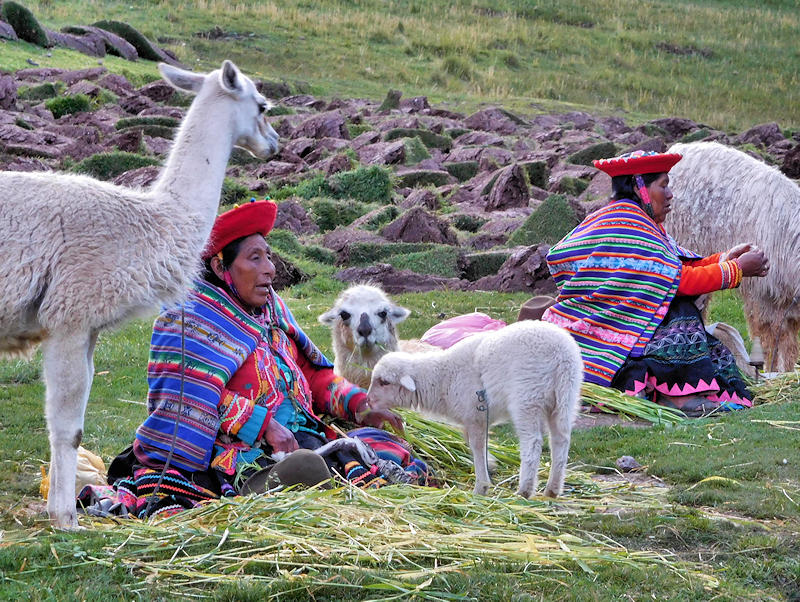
x,y
365,318
250,128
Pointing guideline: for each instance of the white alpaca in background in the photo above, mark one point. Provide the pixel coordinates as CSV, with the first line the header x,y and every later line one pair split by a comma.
x,y
529,372
363,322
81,255
724,197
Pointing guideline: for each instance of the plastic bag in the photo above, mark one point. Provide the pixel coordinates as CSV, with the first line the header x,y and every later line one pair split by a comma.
x,y
447,333
91,471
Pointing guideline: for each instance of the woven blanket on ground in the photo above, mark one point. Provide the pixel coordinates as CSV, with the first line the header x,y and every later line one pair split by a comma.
x,y
617,272
219,336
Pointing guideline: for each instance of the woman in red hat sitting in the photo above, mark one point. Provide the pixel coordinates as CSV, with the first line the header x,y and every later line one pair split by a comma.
x,y
627,292
233,383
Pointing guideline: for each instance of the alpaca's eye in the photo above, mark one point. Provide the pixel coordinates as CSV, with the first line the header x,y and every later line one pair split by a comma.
x,y
382,383
344,316
262,107
382,314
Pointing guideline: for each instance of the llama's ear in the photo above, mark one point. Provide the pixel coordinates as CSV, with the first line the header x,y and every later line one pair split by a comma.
x,y
328,318
229,77
398,314
183,80
408,382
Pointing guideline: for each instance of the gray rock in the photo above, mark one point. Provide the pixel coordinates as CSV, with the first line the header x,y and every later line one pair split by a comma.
x,y
627,464
8,92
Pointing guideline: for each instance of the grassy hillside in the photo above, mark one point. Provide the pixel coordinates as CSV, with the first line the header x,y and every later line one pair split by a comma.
x,y
731,64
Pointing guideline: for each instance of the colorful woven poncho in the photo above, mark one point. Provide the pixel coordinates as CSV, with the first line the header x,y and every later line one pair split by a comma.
x,y
219,336
617,272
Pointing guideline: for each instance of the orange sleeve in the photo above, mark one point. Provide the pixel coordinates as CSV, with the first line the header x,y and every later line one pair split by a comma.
x,y
708,277
711,259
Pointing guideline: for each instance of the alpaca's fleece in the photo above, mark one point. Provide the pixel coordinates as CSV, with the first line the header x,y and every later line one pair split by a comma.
x,y
531,374
724,197
81,255
363,323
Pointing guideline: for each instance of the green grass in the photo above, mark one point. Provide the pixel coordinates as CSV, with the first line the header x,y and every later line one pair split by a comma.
x,y
728,64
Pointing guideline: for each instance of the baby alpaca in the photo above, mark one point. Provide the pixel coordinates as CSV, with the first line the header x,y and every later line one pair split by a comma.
x,y
529,372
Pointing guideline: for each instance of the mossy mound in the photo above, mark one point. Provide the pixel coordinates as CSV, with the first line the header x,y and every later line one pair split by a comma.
x,y
320,254
696,136
428,138
364,253
127,122
467,223
233,192
456,132
548,224
392,101
537,172
24,24
67,105
444,260
286,241
329,213
38,92
366,184
601,150
381,218
462,170
131,35
475,266
356,129
105,166
572,186
423,177
415,151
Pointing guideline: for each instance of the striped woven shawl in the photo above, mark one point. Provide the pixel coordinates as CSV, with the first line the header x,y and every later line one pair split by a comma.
x,y
219,336
617,272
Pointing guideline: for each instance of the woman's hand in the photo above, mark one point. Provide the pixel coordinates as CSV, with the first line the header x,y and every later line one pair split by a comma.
x,y
280,438
754,262
737,251
366,416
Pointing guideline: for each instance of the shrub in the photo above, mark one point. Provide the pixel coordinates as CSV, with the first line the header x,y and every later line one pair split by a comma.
x,y
40,92
320,254
127,122
538,173
511,60
313,187
330,213
440,261
366,184
24,24
392,101
105,166
428,138
463,170
601,150
233,192
143,46
67,105
548,224
286,241
415,151
457,67
467,223
280,110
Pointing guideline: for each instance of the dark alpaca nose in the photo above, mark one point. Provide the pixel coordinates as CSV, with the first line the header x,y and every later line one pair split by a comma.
x,y
364,327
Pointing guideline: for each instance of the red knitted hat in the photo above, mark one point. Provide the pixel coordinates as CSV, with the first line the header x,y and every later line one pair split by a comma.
x,y
638,162
255,217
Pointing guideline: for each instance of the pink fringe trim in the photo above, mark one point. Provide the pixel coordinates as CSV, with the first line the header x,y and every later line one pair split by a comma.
x,y
581,326
710,390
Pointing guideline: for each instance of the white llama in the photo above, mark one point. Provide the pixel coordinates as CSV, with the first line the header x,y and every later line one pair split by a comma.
x,y
724,197
82,255
363,324
529,372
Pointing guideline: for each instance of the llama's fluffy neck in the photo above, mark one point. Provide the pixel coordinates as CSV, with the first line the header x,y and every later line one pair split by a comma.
x,y
192,179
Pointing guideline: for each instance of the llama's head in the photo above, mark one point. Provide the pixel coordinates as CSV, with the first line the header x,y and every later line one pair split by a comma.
x,y
364,317
248,115
392,383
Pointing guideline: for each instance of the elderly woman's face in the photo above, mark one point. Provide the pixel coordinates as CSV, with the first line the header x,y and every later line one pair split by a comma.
x,y
660,197
252,271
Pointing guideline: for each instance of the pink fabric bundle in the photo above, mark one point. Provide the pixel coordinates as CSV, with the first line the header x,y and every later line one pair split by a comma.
x,y
447,333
